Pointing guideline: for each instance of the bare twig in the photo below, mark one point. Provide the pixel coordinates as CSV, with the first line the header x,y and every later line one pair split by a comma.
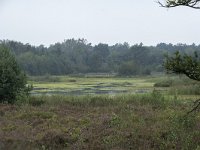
x,y
196,106
175,3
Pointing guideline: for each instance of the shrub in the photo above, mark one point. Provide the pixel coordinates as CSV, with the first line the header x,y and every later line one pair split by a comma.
x,y
12,79
163,84
36,101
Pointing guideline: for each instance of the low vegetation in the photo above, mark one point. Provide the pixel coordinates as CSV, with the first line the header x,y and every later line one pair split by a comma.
x,y
156,119
178,85
83,85
147,121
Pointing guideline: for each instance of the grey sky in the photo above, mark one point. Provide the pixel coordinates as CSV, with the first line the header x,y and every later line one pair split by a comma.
x,y
108,21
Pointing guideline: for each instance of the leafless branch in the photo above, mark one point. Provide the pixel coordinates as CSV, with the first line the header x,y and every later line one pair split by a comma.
x,y
196,106
175,3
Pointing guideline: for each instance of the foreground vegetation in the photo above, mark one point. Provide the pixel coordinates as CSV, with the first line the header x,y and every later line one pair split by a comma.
x,y
156,119
147,121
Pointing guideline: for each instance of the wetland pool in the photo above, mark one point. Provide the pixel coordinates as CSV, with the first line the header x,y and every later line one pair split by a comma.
x,y
92,86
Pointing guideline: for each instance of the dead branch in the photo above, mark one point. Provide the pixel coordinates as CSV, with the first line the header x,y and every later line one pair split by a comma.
x,y
196,106
175,3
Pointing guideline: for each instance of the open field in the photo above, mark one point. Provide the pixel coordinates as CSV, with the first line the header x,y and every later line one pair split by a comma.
x,y
126,118
90,85
66,85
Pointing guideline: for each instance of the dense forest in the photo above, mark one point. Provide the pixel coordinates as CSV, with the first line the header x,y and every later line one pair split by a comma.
x,y
78,56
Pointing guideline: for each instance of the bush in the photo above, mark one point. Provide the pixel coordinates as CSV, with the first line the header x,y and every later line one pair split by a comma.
x,y
163,84
12,80
36,101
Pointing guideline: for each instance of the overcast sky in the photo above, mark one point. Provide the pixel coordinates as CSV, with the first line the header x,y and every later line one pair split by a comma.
x,y
107,21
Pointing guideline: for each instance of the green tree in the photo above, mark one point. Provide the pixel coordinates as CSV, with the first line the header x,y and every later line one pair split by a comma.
x,y
184,64
187,65
98,60
12,80
128,68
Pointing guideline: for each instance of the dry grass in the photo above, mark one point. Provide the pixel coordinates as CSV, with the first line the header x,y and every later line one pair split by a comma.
x,y
148,121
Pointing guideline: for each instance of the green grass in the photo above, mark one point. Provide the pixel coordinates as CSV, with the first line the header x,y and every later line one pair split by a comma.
x,y
178,85
66,85
147,121
92,85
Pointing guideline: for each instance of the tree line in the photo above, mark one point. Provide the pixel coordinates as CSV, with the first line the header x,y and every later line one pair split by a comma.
x,y
78,56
